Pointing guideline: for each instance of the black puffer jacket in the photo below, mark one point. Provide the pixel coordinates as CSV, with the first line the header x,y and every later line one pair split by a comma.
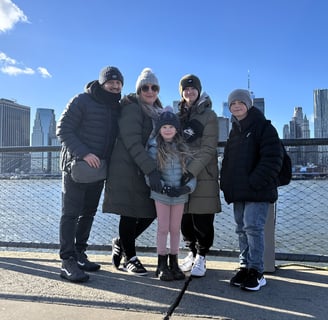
x,y
252,160
89,124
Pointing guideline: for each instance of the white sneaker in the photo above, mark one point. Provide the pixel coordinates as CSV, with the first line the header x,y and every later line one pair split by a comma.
x,y
199,267
187,262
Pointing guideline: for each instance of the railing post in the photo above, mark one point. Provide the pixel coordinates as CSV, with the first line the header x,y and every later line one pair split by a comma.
x,y
269,239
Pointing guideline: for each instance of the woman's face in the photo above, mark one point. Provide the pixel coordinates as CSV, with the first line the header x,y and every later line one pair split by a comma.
x,y
190,95
149,93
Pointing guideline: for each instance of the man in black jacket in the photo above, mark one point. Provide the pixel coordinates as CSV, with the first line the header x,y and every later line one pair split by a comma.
x,y
87,130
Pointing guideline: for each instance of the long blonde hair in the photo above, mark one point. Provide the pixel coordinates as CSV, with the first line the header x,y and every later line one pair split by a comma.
x,y
166,150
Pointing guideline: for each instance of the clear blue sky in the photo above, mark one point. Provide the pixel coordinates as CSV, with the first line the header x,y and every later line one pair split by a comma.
x,y
50,49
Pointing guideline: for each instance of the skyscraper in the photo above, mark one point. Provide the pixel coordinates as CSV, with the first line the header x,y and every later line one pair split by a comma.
x,y
320,105
259,104
14,131
175,106
299,128
223,124
296,124
44,134
225,110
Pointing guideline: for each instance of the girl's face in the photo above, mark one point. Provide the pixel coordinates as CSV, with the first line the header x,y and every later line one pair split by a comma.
x,y
190,95
168,132
149,93
238,109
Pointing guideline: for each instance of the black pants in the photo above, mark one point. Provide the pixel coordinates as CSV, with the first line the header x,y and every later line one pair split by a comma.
x,y
198,232
130,229
79,206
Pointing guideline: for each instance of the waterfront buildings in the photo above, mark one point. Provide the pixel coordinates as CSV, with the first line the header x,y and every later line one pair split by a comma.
x,y
14,131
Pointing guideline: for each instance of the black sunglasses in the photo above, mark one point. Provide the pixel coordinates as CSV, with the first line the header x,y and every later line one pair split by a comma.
x,y
146,88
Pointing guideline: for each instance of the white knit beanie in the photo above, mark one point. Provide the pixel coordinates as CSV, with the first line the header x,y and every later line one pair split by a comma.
x,y
146,77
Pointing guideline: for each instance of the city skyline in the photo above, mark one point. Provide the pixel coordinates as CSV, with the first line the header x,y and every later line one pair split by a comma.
x,y
224,112
292,129
276,49
15,130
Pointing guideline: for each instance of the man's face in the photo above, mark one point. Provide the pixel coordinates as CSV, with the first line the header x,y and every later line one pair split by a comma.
x,y
113,86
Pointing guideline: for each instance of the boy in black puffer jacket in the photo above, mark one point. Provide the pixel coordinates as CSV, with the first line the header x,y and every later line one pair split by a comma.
x,y
252,160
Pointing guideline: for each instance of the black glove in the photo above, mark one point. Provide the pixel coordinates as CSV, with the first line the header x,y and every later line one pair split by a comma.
x,y
177,191
166,189
186,177
193,130
155,181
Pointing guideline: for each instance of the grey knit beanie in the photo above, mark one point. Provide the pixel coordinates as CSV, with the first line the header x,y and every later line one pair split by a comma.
x,y
146,77
240,95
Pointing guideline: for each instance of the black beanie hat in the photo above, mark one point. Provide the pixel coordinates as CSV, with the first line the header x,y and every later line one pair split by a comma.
x,y
190,80
240,95
167,117
110,73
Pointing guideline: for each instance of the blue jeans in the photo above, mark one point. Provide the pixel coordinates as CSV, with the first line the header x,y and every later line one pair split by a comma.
x,y
250,218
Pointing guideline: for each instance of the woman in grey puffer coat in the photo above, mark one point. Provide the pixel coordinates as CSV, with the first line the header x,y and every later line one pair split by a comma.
x,y
171,154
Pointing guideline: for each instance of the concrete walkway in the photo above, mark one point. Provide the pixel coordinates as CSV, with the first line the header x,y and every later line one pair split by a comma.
x,y
31,289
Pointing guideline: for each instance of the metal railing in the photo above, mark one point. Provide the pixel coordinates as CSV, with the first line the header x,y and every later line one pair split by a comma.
x,y
30,205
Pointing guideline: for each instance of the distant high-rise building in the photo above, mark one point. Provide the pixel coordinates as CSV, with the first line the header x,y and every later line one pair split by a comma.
x,y
44,128
259,104
296,124
44,134
320,105
299,128
225,110
223,124
14,131
305,128
286,133
176,106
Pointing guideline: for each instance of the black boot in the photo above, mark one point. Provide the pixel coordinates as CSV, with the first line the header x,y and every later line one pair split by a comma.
x,y
174,267
162,270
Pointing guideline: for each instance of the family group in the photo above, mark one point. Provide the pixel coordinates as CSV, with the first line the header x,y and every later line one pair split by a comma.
x,y
153,163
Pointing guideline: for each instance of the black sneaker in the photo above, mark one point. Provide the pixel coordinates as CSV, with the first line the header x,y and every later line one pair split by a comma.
x,y
71,271
239,277
85,264
135,267
117,252
254,281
